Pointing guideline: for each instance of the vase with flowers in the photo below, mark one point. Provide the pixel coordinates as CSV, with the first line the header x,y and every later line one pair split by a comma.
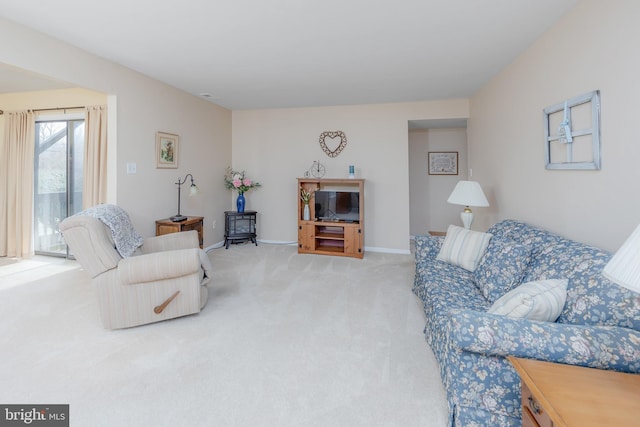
x,y
305,197
235,180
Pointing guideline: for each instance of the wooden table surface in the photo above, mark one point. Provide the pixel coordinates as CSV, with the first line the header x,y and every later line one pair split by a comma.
x,y
578,396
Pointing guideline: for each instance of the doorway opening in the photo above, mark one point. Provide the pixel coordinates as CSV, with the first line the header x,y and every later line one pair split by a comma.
x,y
428,207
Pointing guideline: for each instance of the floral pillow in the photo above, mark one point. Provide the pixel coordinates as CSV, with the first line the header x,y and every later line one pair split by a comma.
x,y
463,247
540,300
502,267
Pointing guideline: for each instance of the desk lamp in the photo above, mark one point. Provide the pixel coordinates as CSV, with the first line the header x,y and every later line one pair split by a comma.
x,y
193,190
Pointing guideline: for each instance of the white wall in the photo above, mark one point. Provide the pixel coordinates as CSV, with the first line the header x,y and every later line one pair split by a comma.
x,y
593,47
428,194
143,107
277,146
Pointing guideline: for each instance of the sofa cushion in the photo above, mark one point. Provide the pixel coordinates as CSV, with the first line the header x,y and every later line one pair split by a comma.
x,y
434,273
501,268
541,300
463,247
592,299
427,247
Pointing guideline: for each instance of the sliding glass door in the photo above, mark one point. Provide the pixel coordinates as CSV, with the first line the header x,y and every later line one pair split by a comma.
x,y
57,181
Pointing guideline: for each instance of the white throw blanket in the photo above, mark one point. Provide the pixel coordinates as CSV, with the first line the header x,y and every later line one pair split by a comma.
x,y
125,237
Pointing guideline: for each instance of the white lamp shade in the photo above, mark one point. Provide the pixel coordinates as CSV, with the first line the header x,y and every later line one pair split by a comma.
x,y
468,193
624,266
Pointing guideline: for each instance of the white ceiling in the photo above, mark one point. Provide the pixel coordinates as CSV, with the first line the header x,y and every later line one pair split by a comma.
x,y
296,53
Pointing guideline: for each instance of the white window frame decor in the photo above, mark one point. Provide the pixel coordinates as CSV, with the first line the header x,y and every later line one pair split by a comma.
x,y
565,133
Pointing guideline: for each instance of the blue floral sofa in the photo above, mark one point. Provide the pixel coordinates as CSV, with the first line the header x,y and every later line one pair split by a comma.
x,y
599,325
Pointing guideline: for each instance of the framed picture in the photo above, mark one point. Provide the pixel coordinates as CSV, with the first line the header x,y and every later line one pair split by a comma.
x,y
443,163
167,150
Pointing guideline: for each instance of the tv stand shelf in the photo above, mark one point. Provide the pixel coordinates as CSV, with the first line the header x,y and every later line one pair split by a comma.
x,y
329,232
326,236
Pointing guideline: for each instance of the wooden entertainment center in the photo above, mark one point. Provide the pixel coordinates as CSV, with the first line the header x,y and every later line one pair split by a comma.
x,y
331,236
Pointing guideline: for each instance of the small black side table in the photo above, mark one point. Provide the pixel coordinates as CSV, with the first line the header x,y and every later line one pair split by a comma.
x,y
239,226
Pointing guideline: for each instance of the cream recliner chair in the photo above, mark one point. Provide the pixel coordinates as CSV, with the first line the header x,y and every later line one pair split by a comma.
x,y
138,281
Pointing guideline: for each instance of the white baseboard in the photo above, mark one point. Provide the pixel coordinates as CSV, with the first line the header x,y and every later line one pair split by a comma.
x,y
387,250
214,246
219,245
278,242
289,243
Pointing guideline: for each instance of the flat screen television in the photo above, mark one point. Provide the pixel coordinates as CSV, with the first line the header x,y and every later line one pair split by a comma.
x,y
337,206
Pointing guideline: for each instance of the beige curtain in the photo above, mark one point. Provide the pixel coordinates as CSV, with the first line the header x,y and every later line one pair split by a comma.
x,y
16,182
94,189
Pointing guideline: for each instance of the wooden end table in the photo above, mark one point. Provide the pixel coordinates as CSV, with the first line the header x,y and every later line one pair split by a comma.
x,y
565,395
166,226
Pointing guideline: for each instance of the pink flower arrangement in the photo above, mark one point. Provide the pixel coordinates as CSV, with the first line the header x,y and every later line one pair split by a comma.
x,y
234,180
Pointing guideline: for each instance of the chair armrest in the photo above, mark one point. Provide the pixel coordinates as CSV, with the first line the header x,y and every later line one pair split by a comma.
x,y
171,241
159,266
603,347
427,247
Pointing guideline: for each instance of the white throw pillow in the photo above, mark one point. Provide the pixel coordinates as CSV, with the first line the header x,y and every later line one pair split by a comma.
x,y
542,300
463,247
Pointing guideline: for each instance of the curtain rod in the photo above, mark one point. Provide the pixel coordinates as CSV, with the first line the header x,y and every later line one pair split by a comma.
x,y
51,109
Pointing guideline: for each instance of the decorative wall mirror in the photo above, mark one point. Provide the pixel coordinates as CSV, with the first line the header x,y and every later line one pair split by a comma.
x,y
572,133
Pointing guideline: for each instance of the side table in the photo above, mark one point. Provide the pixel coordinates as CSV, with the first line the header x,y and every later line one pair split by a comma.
x,y
555,395
166,226
239,226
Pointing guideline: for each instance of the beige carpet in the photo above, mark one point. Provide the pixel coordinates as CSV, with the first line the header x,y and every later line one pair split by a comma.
x,y
285,340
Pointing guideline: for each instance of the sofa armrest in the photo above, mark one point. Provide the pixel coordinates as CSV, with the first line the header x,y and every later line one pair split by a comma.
x,y
603,347
427,247
159,266
171,241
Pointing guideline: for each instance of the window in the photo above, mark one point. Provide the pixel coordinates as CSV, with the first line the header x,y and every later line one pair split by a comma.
x,y
58,174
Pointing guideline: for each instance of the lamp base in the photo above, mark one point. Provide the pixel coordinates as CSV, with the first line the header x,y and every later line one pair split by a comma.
x,y
178,218
467,217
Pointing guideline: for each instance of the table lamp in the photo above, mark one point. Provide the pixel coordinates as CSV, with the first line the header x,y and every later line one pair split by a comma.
x,y
193,190
468,193
624,267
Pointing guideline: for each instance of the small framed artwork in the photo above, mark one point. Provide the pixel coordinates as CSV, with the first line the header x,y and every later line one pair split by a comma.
x,y
443,163
167,150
